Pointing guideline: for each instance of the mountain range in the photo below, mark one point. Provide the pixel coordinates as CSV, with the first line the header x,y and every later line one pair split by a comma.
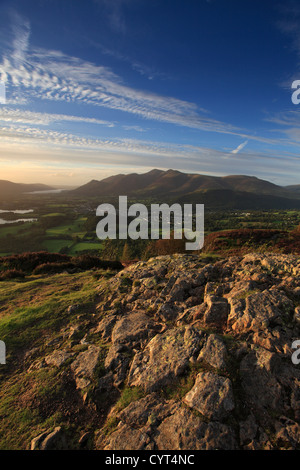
x,y
215,192
236,191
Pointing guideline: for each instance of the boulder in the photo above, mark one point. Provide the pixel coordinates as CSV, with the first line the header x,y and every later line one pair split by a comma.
x,y
84,366
211,395
134,329
214,352
185,431
50,440
165,357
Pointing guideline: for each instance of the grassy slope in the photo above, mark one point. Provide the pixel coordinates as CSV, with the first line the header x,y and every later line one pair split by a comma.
x,y
31,314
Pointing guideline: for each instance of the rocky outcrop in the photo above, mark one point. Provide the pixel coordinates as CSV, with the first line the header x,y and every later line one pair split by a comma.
x,y
165,357
208,347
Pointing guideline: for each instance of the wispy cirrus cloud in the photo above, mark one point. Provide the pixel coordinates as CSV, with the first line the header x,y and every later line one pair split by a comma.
x,y
21,33
31,72
114,12
288,123
35,73
52,75
20,116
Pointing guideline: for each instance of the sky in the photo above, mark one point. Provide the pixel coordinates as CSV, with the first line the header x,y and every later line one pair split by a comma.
x,y
93,88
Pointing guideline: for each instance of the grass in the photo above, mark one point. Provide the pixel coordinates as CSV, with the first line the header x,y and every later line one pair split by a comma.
x,y
32,312
14,230
35,306
54,246
246,294
53,214
21,418
85,246
128,396
74,229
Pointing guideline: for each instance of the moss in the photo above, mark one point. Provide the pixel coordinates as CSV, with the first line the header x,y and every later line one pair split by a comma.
x,y
247,294
128,395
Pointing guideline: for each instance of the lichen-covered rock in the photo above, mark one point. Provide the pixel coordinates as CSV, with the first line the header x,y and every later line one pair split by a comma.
x,y
57,358
151,409
134,329
211,395
258,310
185,431
217,311
128,438
214,352
165,357
154,423
84,366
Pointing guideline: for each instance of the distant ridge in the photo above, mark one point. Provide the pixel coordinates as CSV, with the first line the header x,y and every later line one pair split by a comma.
x,y
8,188
234,191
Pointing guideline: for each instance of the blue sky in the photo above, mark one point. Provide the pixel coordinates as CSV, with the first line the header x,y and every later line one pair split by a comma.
x,y
100,87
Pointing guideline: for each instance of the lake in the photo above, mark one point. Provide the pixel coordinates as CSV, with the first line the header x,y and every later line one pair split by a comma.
x,y
3,222
16,211
47,191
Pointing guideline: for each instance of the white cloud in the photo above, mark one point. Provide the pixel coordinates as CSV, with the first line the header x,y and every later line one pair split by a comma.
x,y
52,75
240,147
21,32
44,146
17,116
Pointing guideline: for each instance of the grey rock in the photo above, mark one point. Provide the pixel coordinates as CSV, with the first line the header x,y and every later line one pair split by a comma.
x,y
261,310
54,440
259,380
149,410
211,395
134,329
128,438
106,325
84,366
57,358
217,310
214,352
165,357
185,431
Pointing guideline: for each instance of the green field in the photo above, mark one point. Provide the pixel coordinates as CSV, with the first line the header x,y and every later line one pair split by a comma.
x,y
54,246
85,246
14,229
73,229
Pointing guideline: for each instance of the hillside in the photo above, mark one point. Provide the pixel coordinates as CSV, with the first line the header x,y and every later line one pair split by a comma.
x,y
215,192
8,189
175,183
176,353
294,188
234,199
